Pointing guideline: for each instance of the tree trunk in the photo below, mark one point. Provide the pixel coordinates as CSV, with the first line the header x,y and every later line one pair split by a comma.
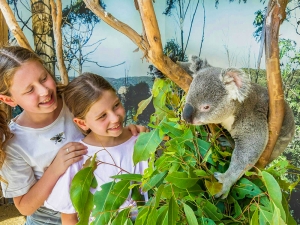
x,y
42,32
56,13
4,41
274,17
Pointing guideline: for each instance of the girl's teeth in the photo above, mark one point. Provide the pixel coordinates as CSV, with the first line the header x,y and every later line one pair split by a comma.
x,y
47,100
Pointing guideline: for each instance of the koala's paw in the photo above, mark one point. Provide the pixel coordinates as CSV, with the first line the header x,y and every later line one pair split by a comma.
x,y
225,187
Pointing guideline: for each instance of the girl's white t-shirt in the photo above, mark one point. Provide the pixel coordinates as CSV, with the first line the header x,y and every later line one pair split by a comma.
x,y
30,152
111,160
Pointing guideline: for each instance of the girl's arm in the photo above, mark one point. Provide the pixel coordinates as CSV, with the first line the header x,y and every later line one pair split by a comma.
x,y
69,219
28,203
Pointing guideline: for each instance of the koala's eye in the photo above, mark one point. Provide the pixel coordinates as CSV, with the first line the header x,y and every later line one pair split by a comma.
x,y
204,108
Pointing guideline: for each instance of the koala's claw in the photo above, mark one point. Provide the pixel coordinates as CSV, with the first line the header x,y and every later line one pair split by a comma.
x,y
219,176
226,185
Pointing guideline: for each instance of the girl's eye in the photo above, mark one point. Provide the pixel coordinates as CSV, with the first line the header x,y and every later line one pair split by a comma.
x,y
44,79
117,105
29,91
103,116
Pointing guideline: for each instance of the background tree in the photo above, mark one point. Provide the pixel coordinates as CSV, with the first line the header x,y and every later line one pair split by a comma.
x,y
178,9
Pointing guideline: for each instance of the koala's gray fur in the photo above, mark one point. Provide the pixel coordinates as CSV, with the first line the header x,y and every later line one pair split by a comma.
x,y
227,97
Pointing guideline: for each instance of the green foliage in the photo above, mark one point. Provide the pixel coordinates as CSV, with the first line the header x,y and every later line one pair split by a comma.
x,y
78,11
180,182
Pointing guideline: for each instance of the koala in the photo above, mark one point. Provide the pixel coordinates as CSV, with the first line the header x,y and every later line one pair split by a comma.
x,y
227,97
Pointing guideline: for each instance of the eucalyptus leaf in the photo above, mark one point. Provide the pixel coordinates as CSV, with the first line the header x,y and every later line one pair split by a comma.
x,y
245,188
173,211
109,199
80,194
122,217
145,145
141,107
274,191
162,216
265,217
190,215
131,177
209,210
153,181
254,218
181,179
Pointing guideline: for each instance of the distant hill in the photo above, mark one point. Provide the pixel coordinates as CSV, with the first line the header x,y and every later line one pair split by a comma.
x,y
117,83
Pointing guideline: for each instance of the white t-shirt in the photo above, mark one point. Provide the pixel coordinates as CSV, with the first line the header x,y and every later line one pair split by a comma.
x,y
121,155
31,151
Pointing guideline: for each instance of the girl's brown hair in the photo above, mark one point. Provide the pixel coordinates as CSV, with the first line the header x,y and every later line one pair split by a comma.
x,y
82,92
11,59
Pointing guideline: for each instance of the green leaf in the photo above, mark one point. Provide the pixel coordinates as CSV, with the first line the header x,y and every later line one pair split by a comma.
x,y
170,127
289,219
254,218
265,217
201,173
162,218
164,162
131,177
109,199
206,221
80,194
181,179
276,219
213,187
190,215
122,217
274,191
141,107
173,211
153,181
142,216
245,188
145,145
210,210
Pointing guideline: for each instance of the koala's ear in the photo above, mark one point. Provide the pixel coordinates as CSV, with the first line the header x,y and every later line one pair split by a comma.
x,y
185,66
197,63
193,65
237,83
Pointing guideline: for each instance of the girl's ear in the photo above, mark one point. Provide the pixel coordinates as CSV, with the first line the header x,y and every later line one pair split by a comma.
x,y
8,100
81,123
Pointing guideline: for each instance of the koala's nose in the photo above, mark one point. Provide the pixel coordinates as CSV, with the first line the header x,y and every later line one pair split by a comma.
x,y
187,113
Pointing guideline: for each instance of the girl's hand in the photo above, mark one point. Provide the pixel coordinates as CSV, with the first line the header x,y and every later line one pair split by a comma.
x,y
67,155
136,129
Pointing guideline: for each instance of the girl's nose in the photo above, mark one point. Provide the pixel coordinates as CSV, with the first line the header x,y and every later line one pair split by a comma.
x,y
43,91
114,117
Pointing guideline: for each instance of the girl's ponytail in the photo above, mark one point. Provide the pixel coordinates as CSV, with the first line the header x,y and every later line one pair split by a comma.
x,y
5,135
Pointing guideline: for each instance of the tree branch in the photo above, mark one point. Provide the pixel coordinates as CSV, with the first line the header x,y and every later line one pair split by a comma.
x,y
95,7
151,48
13,25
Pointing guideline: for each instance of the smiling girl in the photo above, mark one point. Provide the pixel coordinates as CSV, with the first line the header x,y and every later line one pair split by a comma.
x,y
99,113
38,145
